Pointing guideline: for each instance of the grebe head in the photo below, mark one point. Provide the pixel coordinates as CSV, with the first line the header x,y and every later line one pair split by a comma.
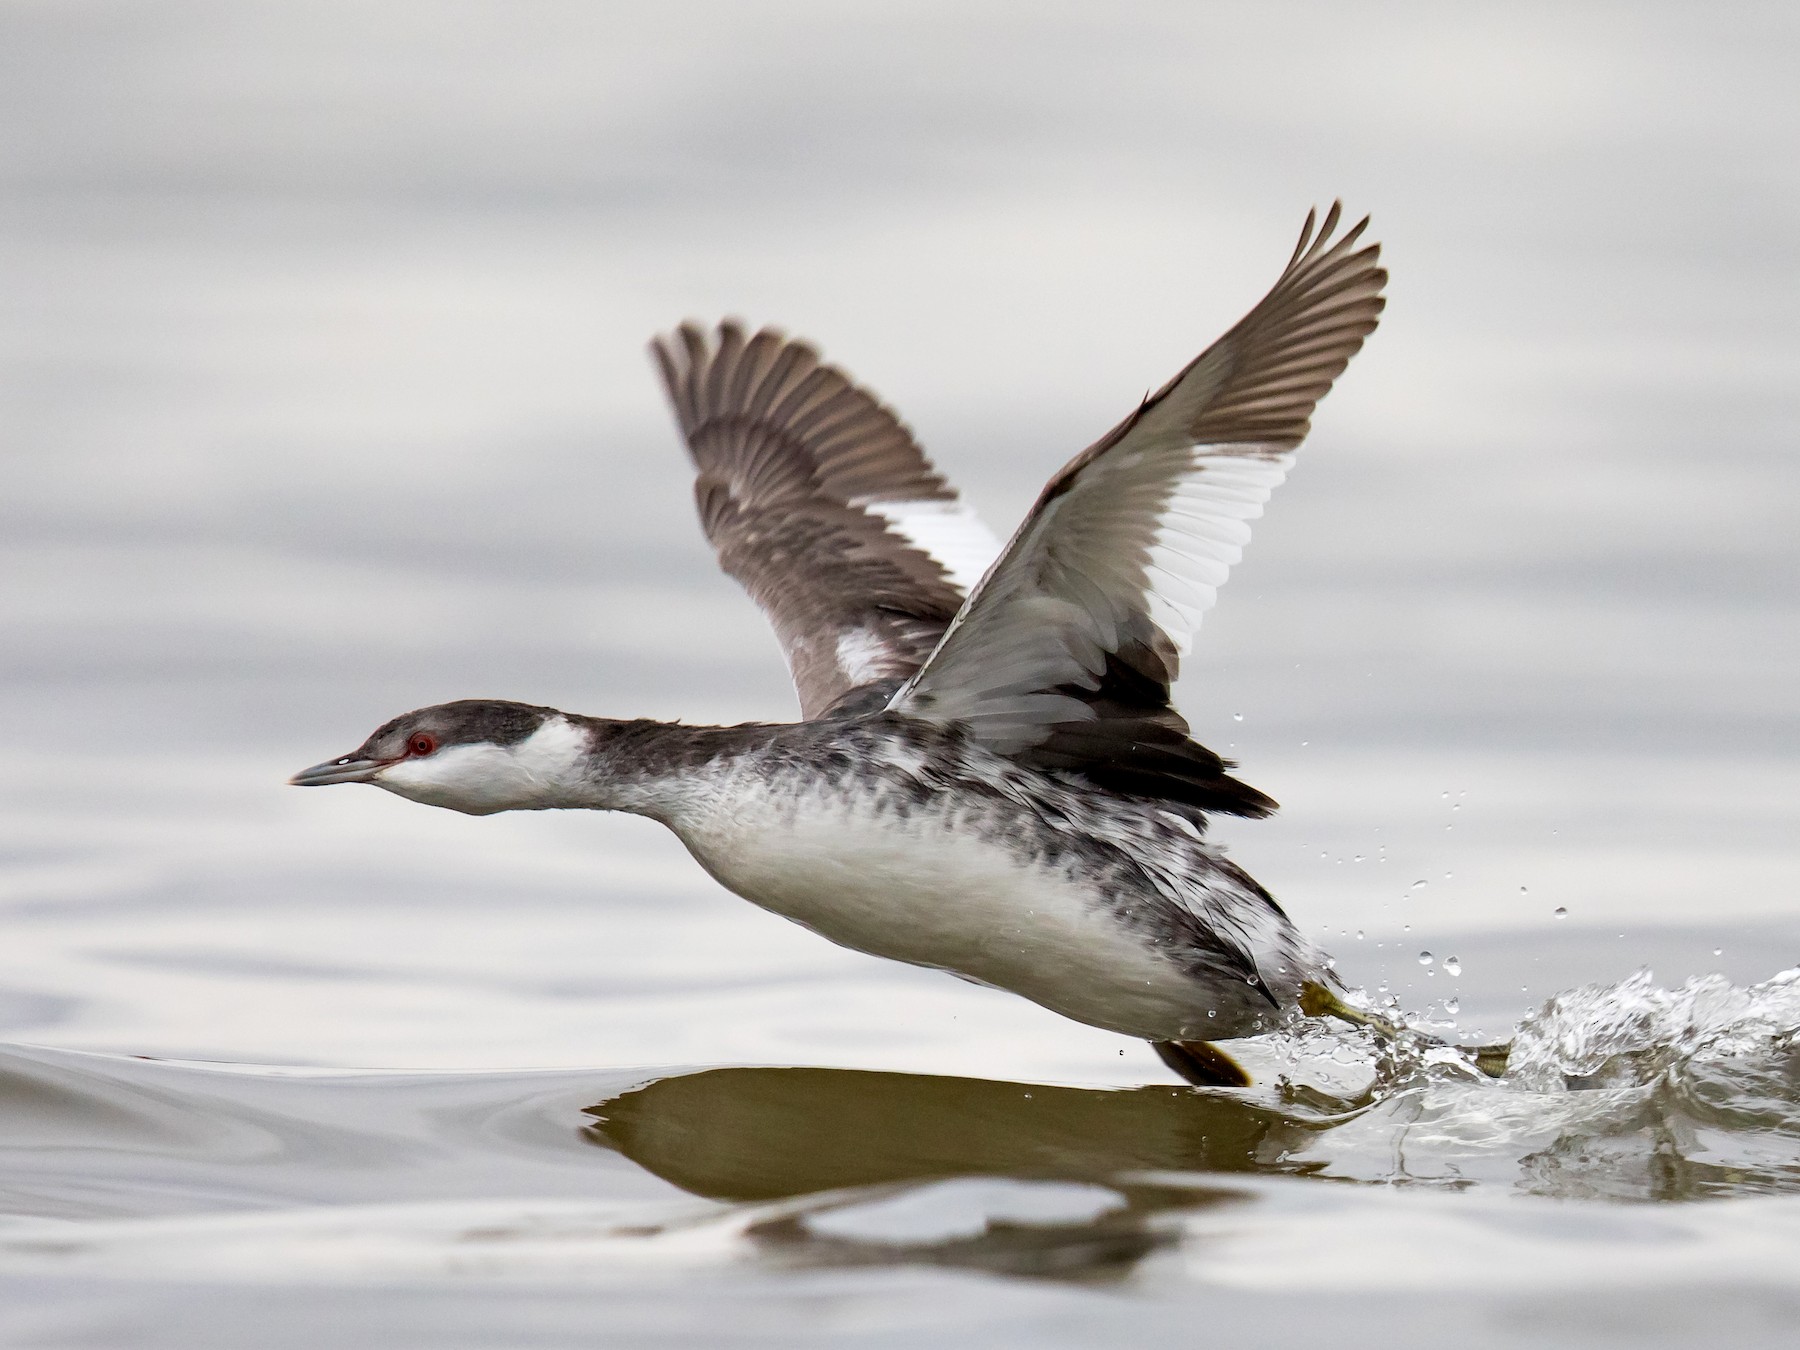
x,y
477,756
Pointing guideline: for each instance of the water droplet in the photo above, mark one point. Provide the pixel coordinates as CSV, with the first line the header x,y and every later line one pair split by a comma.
x,y
1718,951
1560,912
1452,966
1451,1006
1521,890
1211,1012
1406,928
1237,717
1424,958
1359,935
1304,744
1448,875
1357,858
1419,885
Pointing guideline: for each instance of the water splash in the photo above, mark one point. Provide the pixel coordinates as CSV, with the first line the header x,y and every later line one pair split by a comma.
x,y
1633,1032
1626,1034
1625,1091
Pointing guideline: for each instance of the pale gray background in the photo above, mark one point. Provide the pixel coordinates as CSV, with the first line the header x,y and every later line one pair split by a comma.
x,y
324,396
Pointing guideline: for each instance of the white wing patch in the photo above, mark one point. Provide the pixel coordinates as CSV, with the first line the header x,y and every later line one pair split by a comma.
x,y
1036,639
1200,537
948,531
862,655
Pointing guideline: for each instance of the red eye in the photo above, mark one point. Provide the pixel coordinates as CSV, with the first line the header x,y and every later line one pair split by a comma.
x,y
421,744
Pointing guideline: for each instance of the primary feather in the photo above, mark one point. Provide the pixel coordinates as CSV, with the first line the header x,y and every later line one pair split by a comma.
x,y
1064,656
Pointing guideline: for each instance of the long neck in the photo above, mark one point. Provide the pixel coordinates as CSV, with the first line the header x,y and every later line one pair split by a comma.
x,y
648,768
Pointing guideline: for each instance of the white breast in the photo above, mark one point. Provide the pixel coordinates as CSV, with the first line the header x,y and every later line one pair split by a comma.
x,y
917,888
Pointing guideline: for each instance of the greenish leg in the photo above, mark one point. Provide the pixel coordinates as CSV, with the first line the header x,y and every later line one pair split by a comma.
x,y
1318,1001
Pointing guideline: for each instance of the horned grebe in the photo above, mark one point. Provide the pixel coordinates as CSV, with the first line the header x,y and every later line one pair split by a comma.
x,y
989,778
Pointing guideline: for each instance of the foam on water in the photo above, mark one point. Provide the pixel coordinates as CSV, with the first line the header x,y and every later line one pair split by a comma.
x,y
1634,1032
1622,1091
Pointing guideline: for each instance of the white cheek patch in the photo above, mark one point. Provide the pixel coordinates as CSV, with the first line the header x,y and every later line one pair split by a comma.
x,y
481,779
478,779
553,752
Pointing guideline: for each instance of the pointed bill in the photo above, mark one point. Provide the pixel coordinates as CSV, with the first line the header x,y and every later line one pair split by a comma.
x,y
349,769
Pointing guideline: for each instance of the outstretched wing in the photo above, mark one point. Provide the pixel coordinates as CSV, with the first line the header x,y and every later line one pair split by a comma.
x,y
1064,656
818,500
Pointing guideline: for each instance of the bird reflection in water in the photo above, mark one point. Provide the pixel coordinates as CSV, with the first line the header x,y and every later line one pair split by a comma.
x,y
852,1167
1032,1180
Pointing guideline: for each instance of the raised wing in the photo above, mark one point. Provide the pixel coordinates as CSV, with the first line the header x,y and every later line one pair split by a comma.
x,y
1064,656
818,500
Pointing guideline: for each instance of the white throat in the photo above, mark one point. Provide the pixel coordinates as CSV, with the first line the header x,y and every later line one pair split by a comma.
x,y
543,770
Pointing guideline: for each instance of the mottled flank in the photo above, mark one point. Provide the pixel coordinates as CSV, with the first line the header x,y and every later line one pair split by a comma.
x,y
884,784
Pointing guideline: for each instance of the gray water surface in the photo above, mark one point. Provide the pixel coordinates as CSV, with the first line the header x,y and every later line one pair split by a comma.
x,y
322,396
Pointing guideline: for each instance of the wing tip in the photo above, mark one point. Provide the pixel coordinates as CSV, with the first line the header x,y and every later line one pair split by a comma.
x,y
1314,243
703,343
695,361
